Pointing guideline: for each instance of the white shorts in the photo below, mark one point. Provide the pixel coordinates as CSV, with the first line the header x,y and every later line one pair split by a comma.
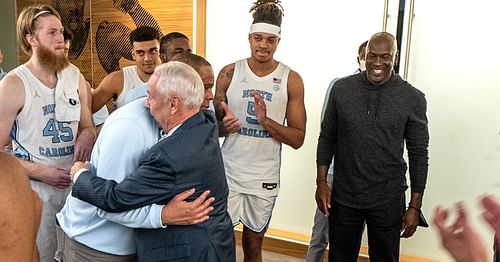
x,y
53,200
251,210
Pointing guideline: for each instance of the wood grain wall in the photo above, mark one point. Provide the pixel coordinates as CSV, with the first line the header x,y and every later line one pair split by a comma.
x,y
101,28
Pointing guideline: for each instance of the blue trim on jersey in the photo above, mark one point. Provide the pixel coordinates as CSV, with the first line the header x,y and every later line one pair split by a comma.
x,y
19,151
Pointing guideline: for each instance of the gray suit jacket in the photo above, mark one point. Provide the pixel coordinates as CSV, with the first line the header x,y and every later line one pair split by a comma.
x,y
189,158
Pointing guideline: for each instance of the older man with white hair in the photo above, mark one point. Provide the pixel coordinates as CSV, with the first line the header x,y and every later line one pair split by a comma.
x,y
187,156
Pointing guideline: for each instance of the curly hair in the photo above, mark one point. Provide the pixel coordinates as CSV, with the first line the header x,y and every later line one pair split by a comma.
x,y
267,11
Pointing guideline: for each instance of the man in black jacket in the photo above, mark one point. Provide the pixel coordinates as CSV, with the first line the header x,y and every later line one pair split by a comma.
x,y
369,118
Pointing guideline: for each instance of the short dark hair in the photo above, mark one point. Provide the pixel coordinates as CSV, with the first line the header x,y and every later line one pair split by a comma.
x,y
195,61
68,36
169,37
144,33
362,47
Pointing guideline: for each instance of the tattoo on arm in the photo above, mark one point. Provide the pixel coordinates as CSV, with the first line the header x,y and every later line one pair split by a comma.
x,y
229,73
226,73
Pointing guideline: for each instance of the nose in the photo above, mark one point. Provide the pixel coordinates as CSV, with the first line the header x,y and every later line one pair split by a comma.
x,y
208,94
60,37
263,43
146,103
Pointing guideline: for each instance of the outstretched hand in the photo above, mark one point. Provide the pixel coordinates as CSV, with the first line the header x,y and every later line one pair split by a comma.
x,y
461,241
180,212
491,213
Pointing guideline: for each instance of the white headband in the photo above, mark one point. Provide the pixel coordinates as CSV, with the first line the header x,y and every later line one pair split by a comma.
x,y
41,13
265,28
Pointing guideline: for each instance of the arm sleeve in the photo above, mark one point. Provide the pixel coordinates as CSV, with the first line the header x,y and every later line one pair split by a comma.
x,y
144,217
328,134
417,144
141,188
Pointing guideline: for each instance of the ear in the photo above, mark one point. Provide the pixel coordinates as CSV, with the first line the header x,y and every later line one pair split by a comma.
x,y
174,104
133,53
249,38
163,57
31,39
396,58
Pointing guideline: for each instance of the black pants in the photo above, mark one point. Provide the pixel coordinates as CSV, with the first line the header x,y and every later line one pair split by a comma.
x,y
383,224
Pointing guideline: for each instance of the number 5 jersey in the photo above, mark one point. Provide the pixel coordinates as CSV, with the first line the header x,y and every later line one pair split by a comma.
x,y
252,158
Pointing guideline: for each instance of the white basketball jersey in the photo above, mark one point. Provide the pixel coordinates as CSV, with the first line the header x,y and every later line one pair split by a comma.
x,y
37,134
252,158
131,80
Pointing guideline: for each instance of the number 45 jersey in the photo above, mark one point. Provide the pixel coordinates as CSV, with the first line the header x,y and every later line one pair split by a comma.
x,y
252,158
38,135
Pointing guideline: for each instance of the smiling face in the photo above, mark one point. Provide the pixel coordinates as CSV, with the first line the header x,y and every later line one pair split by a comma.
x,y
263,46
381,54
146,55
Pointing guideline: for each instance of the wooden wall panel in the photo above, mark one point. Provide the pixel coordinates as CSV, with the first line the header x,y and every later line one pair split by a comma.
x,y
101,29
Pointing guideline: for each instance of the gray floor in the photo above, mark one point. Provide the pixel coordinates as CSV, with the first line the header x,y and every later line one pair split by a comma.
x,y
268,256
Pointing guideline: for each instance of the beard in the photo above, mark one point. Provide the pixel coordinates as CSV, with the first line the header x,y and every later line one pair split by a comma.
x,y
53,61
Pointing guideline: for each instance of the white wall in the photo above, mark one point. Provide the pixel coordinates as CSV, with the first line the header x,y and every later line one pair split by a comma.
x,y
453,60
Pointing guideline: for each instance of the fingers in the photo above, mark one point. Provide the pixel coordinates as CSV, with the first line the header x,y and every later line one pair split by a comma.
x,y
198,221
257,98
63,181
207,205
201,206
462,218
62,185
440,216
86,156
198,201
491,205
231,124
322,204
204,209
409,231
182,196
225,107
325,208
76,156
491,212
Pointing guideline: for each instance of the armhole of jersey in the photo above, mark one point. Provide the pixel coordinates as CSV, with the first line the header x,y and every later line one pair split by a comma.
x,y
20,75
286,76
236,72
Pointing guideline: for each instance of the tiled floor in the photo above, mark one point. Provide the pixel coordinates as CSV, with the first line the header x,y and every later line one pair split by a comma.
x,y
268,256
